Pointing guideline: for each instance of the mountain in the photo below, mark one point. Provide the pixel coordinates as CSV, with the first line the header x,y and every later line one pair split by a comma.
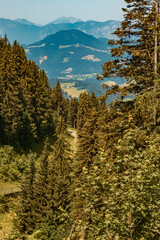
x,y
23,33
24,21
27,34
65,20
69,53
73,57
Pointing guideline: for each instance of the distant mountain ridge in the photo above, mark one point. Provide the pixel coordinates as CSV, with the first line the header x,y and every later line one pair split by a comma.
x,y
24,21
65,20
28,33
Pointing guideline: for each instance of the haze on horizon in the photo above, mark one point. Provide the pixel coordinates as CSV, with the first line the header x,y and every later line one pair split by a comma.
x,y
43,12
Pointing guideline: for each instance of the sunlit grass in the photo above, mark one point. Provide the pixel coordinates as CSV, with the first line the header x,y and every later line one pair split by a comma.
x,y
6,224
74,92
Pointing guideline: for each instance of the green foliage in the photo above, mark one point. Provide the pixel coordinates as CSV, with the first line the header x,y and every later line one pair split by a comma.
x,y
121,195
41,187
12,165
25,220
55,227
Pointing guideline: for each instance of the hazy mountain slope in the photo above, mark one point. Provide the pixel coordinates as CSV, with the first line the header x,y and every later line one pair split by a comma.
x,y
24,21
27,34
23,33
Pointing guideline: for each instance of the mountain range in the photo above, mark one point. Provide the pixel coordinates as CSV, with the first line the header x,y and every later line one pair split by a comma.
x,y
26,32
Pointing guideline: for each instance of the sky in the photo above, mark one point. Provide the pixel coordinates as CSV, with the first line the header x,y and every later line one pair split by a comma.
x,y
45,11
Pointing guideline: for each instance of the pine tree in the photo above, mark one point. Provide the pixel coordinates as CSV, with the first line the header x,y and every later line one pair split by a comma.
x,y
11,106
57,97
41,191
135,52
102,120
83,108
88,138
44,107
62,149
72,112
24,222
58,220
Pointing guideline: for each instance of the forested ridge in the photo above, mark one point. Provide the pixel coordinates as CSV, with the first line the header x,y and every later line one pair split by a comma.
x,y
108,185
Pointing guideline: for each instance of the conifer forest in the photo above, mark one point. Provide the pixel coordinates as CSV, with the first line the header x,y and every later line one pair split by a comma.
x,y
82,168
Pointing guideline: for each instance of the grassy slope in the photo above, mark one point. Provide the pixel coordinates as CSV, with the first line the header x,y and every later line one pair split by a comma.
x,y
5,224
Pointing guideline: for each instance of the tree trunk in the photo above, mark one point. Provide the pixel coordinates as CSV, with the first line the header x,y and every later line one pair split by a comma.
x,y
156,38
156,2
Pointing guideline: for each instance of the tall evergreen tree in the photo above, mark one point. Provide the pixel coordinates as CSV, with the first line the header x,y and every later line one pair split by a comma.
x,y
88,138
72,112
58,98
58,221
11,106
41,192
24,222
135,52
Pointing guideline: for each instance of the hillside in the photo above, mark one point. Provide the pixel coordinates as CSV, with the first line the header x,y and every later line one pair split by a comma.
x,y
27,33
69,53
24,21
73,57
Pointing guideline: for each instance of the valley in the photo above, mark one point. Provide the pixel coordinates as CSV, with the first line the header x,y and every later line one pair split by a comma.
x,y
68,49
80,122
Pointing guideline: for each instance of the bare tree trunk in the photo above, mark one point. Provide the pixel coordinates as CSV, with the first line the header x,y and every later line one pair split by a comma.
x,y
156,2
82,235
156,38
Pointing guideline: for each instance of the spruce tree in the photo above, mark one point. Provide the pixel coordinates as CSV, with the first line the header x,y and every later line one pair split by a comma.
x,y
72,112
11,106
58,221
88,138
24,222
41,192
83,109
44,107
57,98
135,53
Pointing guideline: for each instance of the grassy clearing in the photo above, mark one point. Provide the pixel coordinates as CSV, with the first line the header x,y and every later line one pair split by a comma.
x,y
74,92
73,139
6,185
67,85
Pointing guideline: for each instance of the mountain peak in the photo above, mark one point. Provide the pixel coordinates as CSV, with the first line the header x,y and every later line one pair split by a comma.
x,y
73,36
66,20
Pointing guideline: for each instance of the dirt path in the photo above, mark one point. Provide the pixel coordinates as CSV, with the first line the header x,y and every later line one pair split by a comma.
x,y
73,133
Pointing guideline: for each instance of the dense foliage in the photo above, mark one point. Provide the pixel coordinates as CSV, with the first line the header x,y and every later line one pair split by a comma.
x,y
26,113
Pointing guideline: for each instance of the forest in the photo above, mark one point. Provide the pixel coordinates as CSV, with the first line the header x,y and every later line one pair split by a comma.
x,y
106,186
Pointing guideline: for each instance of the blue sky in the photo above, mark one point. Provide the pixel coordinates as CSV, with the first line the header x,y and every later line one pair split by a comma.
x,y
44,11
